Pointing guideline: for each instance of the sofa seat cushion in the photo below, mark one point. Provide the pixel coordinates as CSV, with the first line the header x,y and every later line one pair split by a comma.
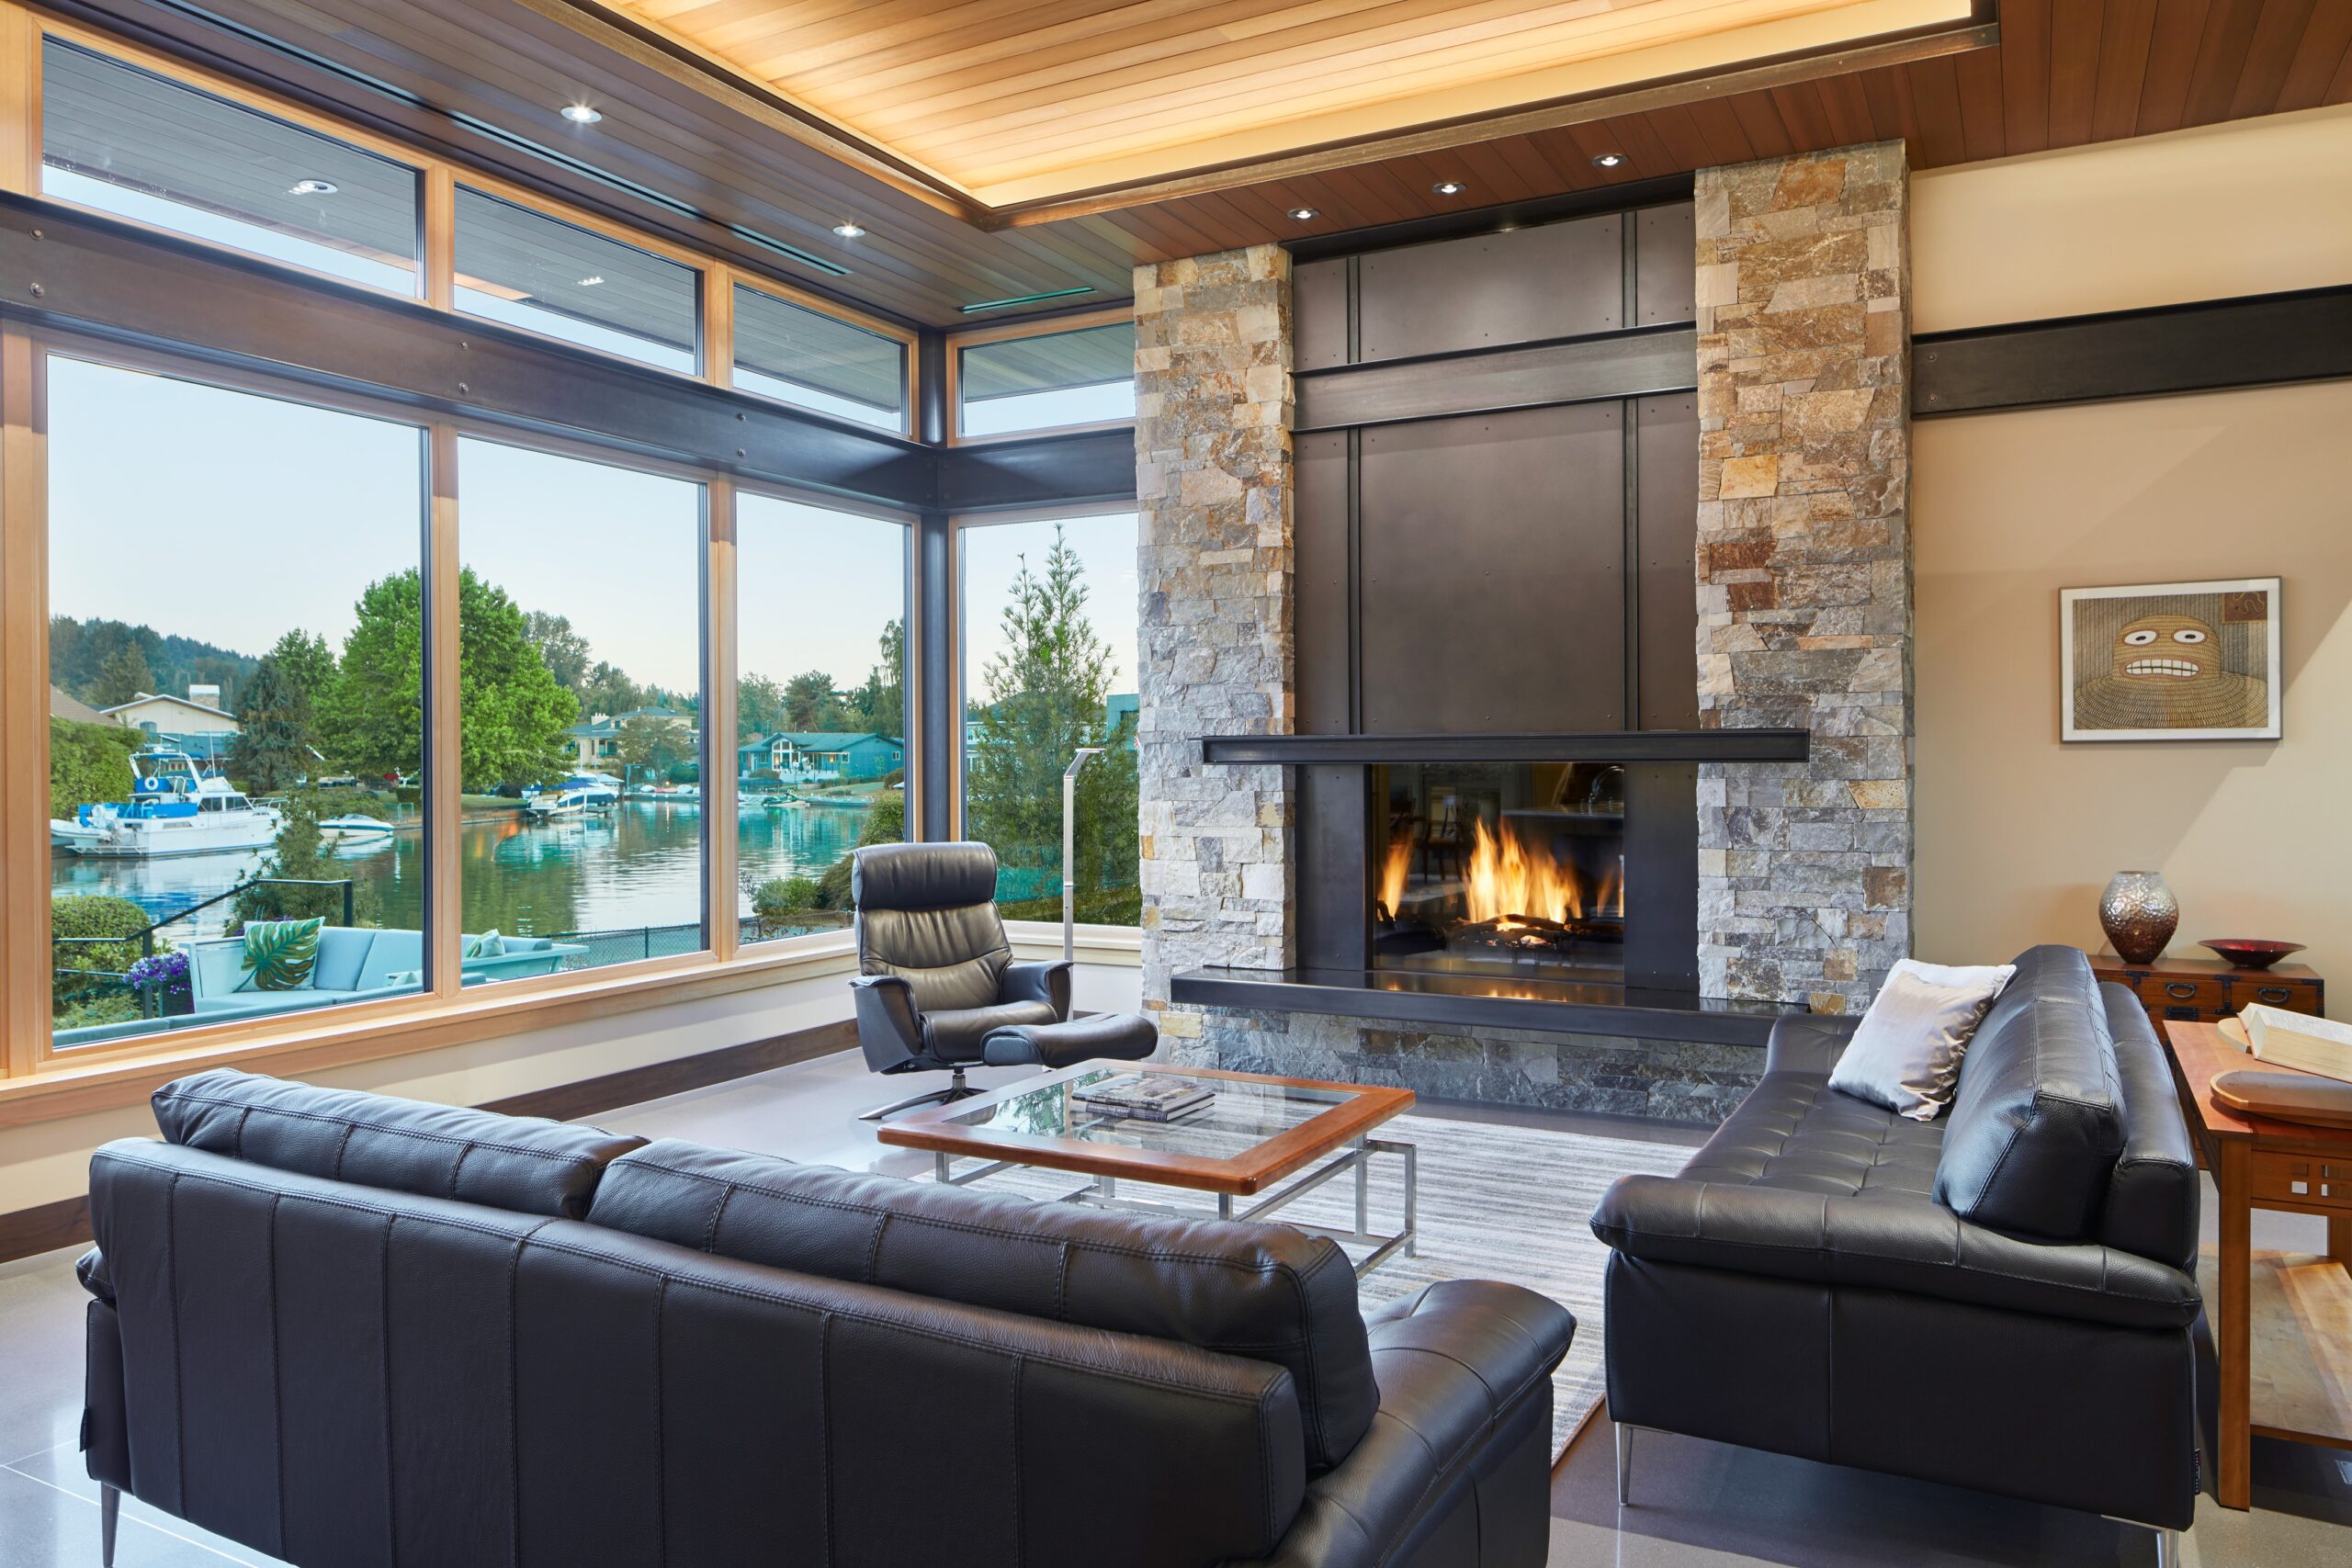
x,y
1795,1133
1266,1292
520,1163
1915,1246
2034,1132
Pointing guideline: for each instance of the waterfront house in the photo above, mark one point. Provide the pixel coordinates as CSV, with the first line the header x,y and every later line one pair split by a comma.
x,y
596,743
841,754
201,729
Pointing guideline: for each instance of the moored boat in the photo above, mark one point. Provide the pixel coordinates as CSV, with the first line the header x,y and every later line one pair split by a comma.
x,y
354,834
174,810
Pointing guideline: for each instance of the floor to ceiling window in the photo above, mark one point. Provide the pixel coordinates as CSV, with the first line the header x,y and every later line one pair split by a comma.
x,y
820,706
1050,636
236,737
580,692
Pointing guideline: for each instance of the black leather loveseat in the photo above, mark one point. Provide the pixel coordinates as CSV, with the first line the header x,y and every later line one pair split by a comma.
x,y
2000,1299
349,1330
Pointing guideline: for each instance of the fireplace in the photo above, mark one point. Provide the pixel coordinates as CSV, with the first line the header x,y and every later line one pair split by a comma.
x,y
1507,870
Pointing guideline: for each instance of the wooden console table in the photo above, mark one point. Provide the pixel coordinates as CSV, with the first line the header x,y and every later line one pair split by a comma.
x,y
2202,990
2299,1311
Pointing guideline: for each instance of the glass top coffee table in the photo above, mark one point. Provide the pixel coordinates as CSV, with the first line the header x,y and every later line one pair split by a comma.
x,y
1259,1146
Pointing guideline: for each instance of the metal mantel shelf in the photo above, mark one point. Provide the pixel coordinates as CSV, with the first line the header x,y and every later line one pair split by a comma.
x,y
1596,746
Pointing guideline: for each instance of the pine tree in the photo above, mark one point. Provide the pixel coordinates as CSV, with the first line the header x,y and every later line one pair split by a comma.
x,y
269,753
122,678
1045,698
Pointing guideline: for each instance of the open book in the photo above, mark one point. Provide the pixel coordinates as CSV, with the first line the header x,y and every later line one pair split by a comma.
x,y
2293,1040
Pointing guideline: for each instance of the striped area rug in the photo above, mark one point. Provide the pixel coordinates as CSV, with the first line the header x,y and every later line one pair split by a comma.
x,y
1496,1203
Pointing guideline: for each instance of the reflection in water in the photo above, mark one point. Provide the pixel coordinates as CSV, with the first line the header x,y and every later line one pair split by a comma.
x,y
640,865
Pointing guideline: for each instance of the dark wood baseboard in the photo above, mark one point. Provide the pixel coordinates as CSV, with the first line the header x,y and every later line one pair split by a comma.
x,y
66,1222
44,1228
634,1085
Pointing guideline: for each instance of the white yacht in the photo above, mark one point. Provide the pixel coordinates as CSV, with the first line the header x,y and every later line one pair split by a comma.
x,y
174,810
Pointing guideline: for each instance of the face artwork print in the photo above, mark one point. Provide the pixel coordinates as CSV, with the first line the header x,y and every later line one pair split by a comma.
x,y
2191,660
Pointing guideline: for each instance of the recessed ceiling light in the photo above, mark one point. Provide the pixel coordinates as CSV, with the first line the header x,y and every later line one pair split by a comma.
x,y
1449,188
593,279
312,187
1303,213
848,229
1607,160
580,114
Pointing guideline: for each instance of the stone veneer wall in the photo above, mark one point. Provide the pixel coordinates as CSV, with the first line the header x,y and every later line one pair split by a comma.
x,y
1804,572
1213,487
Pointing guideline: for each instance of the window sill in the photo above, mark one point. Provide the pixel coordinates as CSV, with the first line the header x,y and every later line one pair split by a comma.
x,y
78,1083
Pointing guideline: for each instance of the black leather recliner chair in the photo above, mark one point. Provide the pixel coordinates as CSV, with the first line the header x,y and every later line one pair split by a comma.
x,y
2000,1299
938,989
344,1329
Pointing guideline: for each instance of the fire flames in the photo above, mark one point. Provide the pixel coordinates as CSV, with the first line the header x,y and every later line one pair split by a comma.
x,y
1503,881
1393,867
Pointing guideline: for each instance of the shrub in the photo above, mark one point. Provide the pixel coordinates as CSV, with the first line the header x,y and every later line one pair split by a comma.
x,y
114,1008
886,824
83,967
780,897
88,764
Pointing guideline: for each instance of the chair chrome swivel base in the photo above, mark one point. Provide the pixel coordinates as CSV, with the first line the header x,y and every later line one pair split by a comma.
x,y
956,1089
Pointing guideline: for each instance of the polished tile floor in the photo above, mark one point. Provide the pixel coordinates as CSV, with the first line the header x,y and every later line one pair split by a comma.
x,y
1697,1504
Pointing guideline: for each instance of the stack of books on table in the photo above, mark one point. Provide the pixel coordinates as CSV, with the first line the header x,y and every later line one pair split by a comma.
x,y
1144,1097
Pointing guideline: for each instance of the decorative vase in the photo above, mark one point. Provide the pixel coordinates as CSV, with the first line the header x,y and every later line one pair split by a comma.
x,y
2140,915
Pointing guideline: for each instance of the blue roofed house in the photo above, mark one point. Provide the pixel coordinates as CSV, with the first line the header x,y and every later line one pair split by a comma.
x,y
821,754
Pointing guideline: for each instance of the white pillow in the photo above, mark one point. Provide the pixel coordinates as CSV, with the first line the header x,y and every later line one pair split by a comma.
x,y
1906,1055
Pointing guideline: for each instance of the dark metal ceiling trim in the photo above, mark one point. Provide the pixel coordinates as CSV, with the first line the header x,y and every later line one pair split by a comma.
x,y
1596,746
118,282
1402,996
1047,470
2209,345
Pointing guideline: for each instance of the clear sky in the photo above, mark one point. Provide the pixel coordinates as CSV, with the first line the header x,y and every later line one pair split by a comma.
x,y
814,589
1106,547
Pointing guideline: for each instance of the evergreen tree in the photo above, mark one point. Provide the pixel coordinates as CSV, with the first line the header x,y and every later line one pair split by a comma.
x,y
564,652
880,704
606,690
269,751
811,704
122,677
511,712
1045,698
759,708
306,663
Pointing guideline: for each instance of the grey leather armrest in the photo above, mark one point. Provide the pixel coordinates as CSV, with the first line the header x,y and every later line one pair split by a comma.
x,y
887,1011
1455,1362
1909,1244
1047,982
1808,1042
91,1270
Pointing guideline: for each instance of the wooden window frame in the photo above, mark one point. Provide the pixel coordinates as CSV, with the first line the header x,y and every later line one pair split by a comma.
x,y
1009,331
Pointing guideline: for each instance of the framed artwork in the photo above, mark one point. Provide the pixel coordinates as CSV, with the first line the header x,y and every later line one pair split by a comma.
x,y
2171,660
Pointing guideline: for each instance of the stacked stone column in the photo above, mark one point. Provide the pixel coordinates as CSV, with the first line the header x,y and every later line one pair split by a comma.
x,y
1804,572
1213,485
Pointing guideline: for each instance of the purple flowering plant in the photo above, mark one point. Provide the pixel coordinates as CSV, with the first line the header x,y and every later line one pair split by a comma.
x,y
165,979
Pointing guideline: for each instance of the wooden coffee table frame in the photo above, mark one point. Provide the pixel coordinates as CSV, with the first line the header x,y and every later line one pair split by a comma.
x,y
1339,1137
2258,1163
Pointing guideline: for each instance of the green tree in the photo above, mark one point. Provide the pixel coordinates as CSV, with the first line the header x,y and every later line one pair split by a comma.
x,y
610,690
512,711
880,704
563,650
86,968
652,746
810,703
306,661
122,677
886,824
273,730
88,764
301,855
1045,698
759,708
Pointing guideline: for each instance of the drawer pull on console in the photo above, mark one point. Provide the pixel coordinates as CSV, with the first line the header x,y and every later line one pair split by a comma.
x,y
2274,995
2179,988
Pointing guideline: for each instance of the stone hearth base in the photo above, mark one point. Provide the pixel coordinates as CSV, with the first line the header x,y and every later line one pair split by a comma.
x,y
1663,1079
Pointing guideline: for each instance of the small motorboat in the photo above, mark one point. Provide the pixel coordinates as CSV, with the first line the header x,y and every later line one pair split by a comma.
x,y
354,834
65,834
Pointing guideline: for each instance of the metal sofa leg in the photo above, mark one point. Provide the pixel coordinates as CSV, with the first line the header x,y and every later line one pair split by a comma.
x,y
956,1089
1625,1464
109,1513
2168,1549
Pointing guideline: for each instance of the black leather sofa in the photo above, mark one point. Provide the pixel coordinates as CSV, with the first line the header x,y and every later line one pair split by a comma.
x,y
346,1330
2000,1299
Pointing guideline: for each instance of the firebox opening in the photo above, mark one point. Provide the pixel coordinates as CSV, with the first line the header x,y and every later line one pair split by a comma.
x,y
1503,869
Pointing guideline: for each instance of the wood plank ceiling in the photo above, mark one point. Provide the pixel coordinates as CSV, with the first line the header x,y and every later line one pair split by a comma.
x,y
1019,103
711,158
